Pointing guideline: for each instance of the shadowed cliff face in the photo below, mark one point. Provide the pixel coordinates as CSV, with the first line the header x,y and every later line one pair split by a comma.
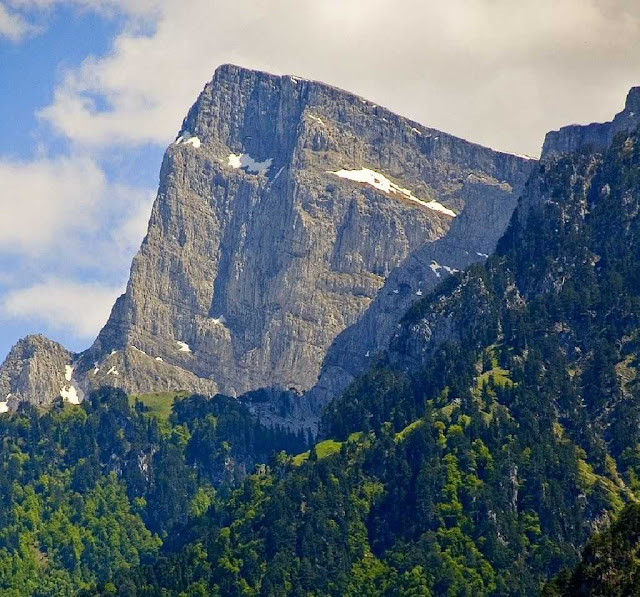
x,y
283,207
597,135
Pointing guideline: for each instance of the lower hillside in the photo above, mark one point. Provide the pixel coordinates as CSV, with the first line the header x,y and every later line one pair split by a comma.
x,y
88,491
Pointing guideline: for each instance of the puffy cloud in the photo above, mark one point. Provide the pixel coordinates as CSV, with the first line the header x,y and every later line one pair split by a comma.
x,y
64,208
494,71
62,305
67,236
43,202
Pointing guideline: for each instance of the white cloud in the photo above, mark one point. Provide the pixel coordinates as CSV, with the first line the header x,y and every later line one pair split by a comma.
x,y
495,71
44,201
65,208
73,307
13,26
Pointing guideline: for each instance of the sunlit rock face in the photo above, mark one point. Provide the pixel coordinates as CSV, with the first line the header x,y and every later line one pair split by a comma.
x,y
283,207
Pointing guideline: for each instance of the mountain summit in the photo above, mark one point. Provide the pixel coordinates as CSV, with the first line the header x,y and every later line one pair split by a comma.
x,y
284,205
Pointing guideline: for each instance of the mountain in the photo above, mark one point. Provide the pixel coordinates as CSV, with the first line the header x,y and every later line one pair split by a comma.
x,y
283,207
497,432
493,437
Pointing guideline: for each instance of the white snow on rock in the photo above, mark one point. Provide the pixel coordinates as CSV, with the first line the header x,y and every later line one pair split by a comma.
x,y
436,267
70,394
138,349
188,139
219,320
158,358
113,371
316,118
382,183
481,254
4,407
245,161
419,293
183,346
68,372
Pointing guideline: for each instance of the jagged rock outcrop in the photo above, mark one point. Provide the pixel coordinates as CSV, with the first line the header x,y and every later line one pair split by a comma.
x,y
37,370
283,207
596,135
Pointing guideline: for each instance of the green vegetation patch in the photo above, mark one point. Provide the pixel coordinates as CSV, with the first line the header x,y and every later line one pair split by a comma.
x,y
158,403
326,448
499,377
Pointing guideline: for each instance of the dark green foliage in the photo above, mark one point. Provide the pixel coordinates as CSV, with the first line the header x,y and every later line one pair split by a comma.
x,y
88,491
610,565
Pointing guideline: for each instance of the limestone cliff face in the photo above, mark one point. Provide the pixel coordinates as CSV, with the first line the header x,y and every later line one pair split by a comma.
x,y
596,135
258,254
284,206
37,370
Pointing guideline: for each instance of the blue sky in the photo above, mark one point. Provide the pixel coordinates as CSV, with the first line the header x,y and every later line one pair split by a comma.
x,y
92,91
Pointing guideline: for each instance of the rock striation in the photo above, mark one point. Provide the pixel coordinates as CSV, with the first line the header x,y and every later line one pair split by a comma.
x,y
284,207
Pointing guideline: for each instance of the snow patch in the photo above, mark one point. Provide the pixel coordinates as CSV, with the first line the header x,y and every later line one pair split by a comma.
x,y
4,407
68,372
244,160
183,346
382,183
416,131
316,118
158,358
481,254
113,371
70,394
419,293
219,320
435,268
188,139
138,349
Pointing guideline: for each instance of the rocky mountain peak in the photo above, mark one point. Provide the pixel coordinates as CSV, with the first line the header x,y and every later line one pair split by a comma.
x,y
284,205
633,100
597,136
37,369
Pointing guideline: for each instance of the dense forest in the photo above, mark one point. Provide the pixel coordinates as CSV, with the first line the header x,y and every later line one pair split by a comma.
x,y
478,456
